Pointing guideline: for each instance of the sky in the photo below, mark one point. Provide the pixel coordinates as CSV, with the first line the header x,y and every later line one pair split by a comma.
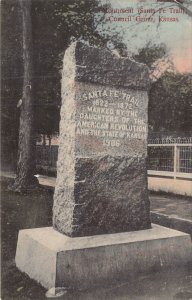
x,y
177,35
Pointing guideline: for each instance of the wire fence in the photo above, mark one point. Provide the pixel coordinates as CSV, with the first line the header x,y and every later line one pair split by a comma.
x,y
175,158
170,140
184,159
161,158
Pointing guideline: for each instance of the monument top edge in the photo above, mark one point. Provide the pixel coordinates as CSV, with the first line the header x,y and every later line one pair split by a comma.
x,y
100,65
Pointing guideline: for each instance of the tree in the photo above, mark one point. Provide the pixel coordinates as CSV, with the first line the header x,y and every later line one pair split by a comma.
x,y
170,103
170,94
157,58
150,54
47,31
26,149
11,80
53,27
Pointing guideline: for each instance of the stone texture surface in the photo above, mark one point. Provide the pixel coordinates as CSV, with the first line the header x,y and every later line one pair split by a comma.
x,y
109,195
108,114
102,66
55,260
101,184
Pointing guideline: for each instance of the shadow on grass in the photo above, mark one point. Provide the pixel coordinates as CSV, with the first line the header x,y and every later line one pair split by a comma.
x,y
35,210
21,212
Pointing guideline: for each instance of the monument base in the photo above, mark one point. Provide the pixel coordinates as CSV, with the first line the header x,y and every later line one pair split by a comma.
x,y
56,260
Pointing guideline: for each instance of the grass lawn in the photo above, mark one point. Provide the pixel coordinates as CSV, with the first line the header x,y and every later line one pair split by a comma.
x,y
21,212
35,210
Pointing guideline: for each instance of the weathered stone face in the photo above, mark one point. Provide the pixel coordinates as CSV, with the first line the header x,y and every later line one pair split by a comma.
x,y
110,121
101,182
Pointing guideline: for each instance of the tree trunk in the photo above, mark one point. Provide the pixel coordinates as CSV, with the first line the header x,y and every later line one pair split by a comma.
x,y
25,179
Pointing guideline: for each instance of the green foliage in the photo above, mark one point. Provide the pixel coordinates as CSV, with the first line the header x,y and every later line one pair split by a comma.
x,y
170,103
151,53
170,97
55,23
12,72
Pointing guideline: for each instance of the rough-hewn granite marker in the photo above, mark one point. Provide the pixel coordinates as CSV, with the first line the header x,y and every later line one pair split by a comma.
x,y
101,182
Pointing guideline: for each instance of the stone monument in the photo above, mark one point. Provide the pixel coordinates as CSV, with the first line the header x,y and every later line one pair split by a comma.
x,y
101,171
101,214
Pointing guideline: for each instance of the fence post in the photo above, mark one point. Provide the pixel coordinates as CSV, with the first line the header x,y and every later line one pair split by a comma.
x,y
175,161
